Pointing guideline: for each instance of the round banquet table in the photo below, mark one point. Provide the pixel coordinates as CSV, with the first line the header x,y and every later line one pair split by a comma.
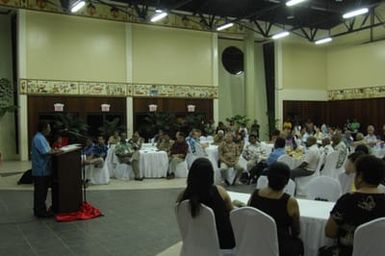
x,y
314,215
153,163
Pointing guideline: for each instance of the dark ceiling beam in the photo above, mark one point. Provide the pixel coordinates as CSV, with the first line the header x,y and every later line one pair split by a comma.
x,y
359,29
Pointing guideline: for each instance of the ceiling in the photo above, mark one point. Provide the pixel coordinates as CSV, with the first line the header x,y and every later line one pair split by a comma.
x,y
314,14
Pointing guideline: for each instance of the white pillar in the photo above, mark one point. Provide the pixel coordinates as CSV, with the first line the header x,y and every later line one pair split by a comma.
x,y
129,79
250,83
22,99
215,77
278,87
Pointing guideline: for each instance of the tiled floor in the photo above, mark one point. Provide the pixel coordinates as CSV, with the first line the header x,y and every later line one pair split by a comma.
x,y
138,220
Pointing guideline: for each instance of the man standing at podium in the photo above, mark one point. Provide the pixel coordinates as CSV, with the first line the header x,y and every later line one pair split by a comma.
x,y
41,169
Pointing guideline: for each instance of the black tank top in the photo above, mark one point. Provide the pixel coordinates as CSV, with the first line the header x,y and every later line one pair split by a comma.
x,y
277,209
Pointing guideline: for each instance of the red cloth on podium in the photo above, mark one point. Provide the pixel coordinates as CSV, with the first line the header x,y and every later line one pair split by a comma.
x,y
87,211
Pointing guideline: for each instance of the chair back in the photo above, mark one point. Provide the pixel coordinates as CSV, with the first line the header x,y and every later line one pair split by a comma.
x,y
286,159
255,232
346,182
369,239
323,188
330,166
199,234
263,182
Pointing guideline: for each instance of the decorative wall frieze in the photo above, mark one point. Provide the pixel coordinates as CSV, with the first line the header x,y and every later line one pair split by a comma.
x,y
110,89
123,14
357,93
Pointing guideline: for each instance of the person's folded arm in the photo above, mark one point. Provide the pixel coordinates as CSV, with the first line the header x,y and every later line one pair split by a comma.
x,y
293,211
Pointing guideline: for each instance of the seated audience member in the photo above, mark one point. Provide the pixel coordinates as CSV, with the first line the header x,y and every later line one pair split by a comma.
x,y
353,209
208,128
251,152
100,149
88,149
165,143
290,138
282,208
350,171
219,137
362,148
196,148
114,139
347,138
274,135
201,190
128,153
339,146
310,160
177,154
239,140
136,140
229,157
360,140
355,126
327,147
287,124
318,134
279,150
59,142
221,126
158,136
371,138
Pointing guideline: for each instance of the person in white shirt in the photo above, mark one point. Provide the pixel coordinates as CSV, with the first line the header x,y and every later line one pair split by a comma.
x,y
251,152
341,147
327,147
310,161
371,138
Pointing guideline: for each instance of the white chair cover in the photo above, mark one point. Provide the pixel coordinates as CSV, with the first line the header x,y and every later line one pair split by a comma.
x,y
97,175
324,188
255,232
123,172
210,138
289,188
181,170
199,234
302,182
369,239
286,159
111,160
346,182
203,139
330,166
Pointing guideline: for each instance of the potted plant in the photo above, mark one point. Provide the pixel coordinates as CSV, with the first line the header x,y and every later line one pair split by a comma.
x,y
109,127
6,93
71,125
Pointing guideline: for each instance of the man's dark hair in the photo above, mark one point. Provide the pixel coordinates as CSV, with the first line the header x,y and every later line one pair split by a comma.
x,y
355,155
362,148
280,143
276,133
43,124
371,169
278,176
182,134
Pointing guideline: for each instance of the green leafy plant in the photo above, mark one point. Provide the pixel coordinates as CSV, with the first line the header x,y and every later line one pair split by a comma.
x,y
109,127
238,120
155,121
6,93
70,123
195,120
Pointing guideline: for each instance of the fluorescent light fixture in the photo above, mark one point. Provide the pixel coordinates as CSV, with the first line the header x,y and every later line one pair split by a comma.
x,y
324,40
355,13
158,11
280,35
76,6
294,2
239,72
225,26
158,16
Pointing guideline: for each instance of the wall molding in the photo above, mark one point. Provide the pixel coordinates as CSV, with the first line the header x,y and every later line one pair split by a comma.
x,y
357,93
127,13
113,89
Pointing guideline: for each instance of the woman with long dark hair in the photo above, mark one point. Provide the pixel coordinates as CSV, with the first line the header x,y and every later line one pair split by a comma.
x,y
201,190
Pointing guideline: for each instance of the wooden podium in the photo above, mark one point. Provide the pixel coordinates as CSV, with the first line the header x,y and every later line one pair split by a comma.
x,y
67,180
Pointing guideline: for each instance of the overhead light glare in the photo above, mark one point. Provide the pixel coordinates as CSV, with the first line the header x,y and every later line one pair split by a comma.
x,y
294,2
159,16
355,13
280,35
324,40
158,11
76,6
225,26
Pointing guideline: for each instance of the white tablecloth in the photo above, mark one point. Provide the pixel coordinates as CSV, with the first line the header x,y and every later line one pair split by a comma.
x,y
314,215
153,164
